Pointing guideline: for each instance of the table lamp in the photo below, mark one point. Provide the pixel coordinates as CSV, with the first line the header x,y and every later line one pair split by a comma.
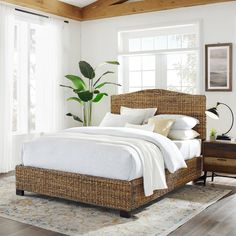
x,y
213,113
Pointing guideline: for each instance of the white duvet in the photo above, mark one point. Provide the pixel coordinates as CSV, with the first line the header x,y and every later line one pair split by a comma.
x,y
118,153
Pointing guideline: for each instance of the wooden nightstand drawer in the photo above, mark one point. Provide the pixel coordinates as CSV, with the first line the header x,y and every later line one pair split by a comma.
x,y
219,161
220,165
219,149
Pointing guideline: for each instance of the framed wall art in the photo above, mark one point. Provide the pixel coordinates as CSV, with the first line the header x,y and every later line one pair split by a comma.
x,y
219,67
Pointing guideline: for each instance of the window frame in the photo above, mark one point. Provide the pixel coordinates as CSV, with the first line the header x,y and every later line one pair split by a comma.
x,y
123,54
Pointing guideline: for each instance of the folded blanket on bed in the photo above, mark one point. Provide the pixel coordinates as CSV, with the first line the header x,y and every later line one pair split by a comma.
x,y
153,151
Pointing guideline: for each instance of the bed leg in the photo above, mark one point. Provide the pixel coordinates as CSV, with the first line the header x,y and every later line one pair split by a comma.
x,y
19,192
125,214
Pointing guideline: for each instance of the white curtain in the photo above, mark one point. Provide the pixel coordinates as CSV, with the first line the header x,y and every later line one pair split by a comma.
x,y
58,65
6,73
51,68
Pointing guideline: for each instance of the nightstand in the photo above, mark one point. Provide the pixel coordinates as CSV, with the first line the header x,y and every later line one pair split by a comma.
x,y
219,156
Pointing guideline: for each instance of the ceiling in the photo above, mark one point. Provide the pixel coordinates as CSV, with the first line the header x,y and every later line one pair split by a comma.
x,y
78,3
83,10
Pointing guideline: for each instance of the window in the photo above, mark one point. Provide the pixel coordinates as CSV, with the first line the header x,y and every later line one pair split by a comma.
x,y
40,61
166,57
27,39
141,72
24,80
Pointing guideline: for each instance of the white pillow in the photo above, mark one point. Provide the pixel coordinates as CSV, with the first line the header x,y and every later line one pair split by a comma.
x,y
147,127
146,112
181,121
183,134
114,120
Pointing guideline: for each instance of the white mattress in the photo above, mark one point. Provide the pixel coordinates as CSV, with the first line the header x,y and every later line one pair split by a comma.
x,y
98,158
189,148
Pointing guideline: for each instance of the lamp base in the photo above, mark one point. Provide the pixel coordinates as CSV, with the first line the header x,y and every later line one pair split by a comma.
x,y
223,137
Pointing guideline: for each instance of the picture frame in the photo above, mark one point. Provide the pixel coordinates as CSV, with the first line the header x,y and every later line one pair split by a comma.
x,y
218,71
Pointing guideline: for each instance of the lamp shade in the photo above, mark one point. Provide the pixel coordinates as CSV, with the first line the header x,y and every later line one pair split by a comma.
x,y
212,113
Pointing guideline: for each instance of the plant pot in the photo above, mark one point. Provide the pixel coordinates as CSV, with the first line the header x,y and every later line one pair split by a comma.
x,y
212,138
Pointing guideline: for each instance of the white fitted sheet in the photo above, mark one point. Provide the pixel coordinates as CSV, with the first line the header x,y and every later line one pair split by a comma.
x,y
189,148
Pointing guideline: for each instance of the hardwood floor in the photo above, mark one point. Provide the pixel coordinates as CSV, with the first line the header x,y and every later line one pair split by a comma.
x,y
13,228
218,220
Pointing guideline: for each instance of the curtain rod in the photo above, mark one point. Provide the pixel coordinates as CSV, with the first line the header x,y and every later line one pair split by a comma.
x,y
36,14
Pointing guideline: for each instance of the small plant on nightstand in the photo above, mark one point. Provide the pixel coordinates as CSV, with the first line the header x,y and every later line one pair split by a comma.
x,y
213,134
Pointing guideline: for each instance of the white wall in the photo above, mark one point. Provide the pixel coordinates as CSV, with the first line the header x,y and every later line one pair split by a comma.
x,y
218,23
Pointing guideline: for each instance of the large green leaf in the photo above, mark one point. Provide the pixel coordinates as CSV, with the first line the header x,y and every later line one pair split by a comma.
x,y
85,96
107,72
99,97
105,83
75,117
113,62
74,99
86,70
77,81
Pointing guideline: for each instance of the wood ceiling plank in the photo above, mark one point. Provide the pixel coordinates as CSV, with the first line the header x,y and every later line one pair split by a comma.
x,y
50,6
101,9
107,8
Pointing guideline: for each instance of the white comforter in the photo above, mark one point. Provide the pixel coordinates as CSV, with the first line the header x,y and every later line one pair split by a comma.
x,y
83,150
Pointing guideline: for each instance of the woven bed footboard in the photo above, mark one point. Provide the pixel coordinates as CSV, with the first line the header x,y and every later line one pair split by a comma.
x,y
82,188
110,193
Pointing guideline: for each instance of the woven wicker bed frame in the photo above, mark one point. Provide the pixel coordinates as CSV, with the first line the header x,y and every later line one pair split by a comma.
x,y
125,196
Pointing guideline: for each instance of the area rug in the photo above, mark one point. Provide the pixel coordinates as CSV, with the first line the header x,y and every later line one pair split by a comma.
x,y
70,218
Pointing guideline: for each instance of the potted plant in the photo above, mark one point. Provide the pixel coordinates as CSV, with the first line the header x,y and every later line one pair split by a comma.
x,y
88,92
213,134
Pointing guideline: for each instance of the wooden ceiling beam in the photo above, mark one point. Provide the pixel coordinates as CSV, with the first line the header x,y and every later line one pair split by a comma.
x,y
50,6
107,8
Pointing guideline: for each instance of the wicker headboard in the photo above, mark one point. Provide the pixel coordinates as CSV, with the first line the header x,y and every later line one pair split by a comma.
x,y
167,102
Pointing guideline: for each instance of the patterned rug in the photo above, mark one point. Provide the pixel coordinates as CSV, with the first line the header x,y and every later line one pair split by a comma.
x,y
72,218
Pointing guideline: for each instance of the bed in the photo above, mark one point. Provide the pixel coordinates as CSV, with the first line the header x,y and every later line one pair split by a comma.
x,y
123,195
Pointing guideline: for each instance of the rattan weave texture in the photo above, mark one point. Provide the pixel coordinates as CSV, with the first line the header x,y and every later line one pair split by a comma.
x,y
167,102
117,194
